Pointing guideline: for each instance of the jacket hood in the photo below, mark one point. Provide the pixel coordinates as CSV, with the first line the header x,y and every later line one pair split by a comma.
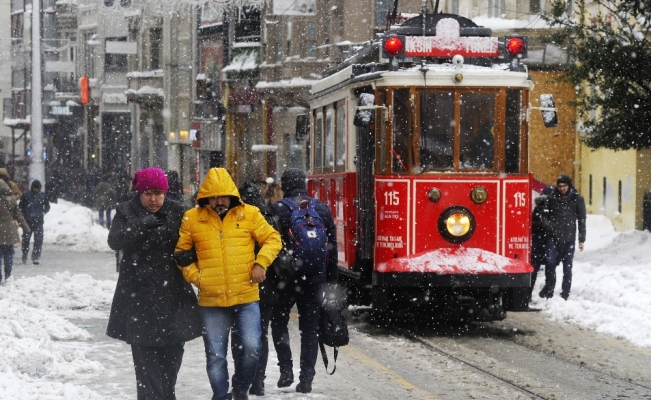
x,y
5,190
4,173
218,182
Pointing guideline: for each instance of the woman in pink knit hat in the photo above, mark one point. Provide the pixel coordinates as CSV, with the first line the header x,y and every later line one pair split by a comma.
x,y
154,309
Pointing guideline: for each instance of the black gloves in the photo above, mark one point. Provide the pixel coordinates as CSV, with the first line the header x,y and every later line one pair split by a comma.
x,y
185,258
152,221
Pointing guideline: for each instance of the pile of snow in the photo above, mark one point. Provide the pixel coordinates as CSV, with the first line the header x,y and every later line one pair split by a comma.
x,y
610,284
71,225
41,351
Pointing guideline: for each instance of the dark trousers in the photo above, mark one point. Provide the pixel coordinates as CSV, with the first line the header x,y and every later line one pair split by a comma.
x,y
156,370
557,253
308,297
37,230
268,298
538,258
7,257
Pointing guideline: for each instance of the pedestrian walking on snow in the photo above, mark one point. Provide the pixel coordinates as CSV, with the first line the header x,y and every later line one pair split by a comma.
x,y
154,309
565,211
306,290
34,205
216,252
9,215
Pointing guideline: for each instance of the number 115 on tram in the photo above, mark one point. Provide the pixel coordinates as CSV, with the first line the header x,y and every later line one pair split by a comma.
x,y
419,144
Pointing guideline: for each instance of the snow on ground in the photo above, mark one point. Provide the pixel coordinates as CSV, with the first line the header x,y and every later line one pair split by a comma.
x,y
43,354
71,225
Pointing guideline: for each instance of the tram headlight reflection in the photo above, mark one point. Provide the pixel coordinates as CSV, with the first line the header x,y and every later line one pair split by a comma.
x,y
456,224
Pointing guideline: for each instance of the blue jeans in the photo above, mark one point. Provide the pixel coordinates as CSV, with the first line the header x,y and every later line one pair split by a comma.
x,y
557,253
244,322
108,217
308,297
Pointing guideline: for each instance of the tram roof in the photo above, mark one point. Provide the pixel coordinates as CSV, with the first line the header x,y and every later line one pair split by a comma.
x,y
427,76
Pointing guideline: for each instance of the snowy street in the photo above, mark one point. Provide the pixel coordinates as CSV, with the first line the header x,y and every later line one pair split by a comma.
x,y
596,345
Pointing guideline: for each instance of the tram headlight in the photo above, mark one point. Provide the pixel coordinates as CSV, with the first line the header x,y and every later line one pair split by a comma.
x,y
456,224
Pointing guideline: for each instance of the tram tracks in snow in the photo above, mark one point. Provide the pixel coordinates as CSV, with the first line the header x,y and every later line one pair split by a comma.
x,y
531,371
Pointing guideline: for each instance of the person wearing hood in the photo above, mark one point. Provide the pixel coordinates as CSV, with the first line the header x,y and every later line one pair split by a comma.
x,y
154,309
216,253
251,194
15,190
34,205
9,212
565,210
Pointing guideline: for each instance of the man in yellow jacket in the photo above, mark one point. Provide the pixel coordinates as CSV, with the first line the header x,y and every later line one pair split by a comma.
x,y
222,231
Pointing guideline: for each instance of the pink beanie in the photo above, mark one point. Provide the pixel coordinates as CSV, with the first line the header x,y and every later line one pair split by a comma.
x,y
149,178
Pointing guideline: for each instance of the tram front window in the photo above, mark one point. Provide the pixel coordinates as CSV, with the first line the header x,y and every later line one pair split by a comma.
x,y
477,133
437,131
401,131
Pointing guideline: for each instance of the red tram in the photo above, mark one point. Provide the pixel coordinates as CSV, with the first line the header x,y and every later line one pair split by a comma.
x,y
419,146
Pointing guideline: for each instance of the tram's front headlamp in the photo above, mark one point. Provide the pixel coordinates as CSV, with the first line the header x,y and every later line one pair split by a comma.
x,y
456,224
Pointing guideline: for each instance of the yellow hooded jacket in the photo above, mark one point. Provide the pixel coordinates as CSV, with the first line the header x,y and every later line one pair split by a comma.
x,y
225,248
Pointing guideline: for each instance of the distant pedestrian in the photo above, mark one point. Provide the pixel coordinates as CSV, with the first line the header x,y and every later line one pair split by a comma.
x,y
15,190
9,214
34,205
175,191
306,290
272,193
564,211
539,235
154,310
105,200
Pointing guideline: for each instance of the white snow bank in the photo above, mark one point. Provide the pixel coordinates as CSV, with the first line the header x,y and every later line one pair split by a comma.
x,y
41,351
71,225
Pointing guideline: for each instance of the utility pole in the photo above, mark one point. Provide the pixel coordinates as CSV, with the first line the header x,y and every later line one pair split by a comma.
x,y
37,168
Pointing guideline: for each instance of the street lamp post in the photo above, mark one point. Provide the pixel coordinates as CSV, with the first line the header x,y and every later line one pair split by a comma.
x,y
37,168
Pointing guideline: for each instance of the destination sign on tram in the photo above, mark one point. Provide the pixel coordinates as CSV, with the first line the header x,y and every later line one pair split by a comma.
x,y
448,43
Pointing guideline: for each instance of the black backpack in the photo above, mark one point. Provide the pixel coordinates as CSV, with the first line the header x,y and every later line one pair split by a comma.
x,y
333,329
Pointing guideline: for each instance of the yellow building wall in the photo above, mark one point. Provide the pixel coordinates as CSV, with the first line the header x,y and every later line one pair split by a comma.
x,y
552,150
610,185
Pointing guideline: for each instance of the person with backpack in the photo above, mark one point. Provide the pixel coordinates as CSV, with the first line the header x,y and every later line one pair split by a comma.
x,y
308,229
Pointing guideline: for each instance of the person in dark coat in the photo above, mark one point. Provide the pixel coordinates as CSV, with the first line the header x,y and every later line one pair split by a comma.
x,y
175,191
250,194
154,309
304,291
539,234
564,211
9,212
105,199
34,205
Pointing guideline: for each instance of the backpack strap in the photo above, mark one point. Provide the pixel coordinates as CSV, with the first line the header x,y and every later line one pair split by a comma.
x,y
289,202
324,356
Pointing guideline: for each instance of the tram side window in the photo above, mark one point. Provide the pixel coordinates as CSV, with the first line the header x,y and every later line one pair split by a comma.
x,y
401,135
437,131
513,124
318,141
477,131
330,138
340,142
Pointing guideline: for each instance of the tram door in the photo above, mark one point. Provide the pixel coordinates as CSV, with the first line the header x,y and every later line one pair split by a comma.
x,y
365,159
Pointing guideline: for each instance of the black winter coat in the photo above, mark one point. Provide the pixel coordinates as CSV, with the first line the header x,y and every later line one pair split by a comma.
x,y
562,214
153,305
539,233
283,213
34,206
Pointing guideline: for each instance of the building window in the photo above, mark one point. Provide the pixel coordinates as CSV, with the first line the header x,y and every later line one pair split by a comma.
x,y
279,42
454,8
115,62
496,8
381,9
310,46
534,6
155,47
619,197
